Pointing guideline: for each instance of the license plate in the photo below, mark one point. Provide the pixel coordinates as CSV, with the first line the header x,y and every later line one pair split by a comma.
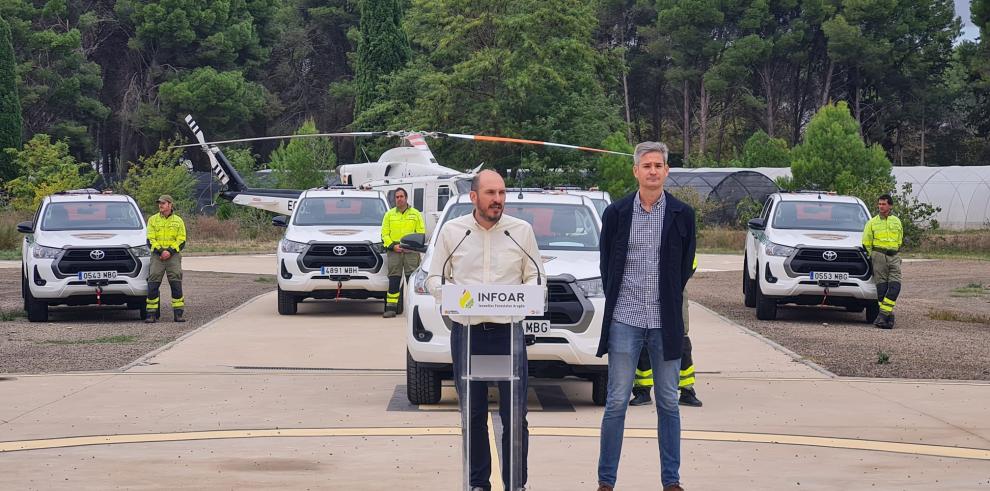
x,y
337,270
829,276
536,327
97,275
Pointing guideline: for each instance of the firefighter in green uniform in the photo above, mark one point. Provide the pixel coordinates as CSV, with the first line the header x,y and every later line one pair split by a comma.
x,y
167,238
882,238
397,223
644,372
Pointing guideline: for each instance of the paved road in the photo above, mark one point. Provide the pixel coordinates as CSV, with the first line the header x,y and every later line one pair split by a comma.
x,y
316,401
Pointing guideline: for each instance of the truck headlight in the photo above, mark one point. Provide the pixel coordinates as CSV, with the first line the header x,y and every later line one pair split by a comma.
x,y
419,281
42,252
592,287
141,251
292,247
778,250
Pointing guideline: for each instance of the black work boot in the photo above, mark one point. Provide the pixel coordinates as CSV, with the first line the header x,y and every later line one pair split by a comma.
x,y
178,315
151,318
641,396
390,310
881,320
689,398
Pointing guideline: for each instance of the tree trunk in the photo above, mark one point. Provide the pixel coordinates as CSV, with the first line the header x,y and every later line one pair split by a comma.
x,y
687,123
922,134
828,82
766,77
703,120
625,94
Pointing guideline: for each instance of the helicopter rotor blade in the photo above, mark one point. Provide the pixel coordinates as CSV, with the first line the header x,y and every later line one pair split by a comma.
x,y
502,139
288,137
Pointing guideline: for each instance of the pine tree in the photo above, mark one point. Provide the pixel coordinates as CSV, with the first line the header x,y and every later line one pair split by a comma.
x,y
10,105
382,49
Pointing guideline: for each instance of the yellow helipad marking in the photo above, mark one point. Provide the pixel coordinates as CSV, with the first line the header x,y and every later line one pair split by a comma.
x,y
496,478
711,436
801,440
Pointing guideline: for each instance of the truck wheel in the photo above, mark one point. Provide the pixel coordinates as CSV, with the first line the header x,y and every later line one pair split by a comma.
x,y
139,304
599,389
287,303
872,311
24,290
749,286
422,383
766,307
37,311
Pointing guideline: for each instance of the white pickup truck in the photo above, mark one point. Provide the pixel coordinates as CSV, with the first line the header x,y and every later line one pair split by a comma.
x,y
564,341
84,248
806,249
332,247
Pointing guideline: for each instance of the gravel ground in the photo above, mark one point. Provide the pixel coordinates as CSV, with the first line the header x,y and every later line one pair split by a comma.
x,y
104,338
919,347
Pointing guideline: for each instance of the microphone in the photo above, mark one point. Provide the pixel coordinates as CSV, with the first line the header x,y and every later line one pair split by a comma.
x,y
443,277
538,280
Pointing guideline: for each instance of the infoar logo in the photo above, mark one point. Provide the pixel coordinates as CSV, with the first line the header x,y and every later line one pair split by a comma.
x,y
466,300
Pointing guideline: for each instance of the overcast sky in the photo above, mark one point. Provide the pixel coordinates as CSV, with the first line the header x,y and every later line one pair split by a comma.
x,y
969,31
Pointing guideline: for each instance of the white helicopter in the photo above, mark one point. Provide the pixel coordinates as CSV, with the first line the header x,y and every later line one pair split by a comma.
x,y
412,167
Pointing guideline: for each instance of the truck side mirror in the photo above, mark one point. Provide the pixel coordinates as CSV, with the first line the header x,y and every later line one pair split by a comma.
x,y
414,242
758,224
25,227
280,221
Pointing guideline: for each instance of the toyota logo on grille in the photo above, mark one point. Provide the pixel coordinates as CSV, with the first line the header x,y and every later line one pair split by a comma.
x,y
339,250
830,255
97,254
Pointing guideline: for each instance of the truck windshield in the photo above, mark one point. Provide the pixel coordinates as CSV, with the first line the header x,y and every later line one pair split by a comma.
x,y
817,215
342,210
557,226
91,215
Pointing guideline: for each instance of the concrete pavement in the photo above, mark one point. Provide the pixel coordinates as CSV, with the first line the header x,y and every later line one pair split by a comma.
x,y
316,401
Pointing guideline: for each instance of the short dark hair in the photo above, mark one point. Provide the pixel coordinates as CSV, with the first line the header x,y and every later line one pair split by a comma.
x,y
890,201
404,192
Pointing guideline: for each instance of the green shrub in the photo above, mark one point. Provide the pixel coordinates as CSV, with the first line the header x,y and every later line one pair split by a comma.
x,y
157,174
763,151
45,168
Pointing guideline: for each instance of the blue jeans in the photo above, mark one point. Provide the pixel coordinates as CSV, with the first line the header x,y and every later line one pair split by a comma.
x,y
624,345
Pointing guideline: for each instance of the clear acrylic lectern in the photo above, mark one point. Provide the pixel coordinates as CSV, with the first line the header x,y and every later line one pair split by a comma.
x,y
493,363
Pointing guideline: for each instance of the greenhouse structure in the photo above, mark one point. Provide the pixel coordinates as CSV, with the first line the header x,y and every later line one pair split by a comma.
x,y
724,187
962,193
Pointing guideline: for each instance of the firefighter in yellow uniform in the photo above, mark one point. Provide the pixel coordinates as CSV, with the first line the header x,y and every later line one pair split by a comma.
x,y
167,238
882,238
397,223
644,372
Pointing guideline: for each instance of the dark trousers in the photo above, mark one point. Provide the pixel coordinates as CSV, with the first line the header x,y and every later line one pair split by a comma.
x,y
487,340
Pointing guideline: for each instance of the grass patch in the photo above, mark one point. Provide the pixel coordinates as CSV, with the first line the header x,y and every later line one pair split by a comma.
x,y
971,290
10,254
948,244
882,357
106,340
715,240
951,315
265,279
231,247
10,315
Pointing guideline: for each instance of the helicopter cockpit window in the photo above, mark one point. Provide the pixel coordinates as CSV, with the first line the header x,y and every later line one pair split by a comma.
x,y
443,196
418,199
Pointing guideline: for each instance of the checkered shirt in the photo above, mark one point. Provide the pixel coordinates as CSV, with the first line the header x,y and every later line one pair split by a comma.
x,y
639,298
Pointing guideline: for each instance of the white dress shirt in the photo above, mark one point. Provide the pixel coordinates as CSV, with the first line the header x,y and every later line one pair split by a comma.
x,y
486,257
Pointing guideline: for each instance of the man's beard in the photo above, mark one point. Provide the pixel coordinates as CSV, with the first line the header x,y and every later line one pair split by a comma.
x,y
492,214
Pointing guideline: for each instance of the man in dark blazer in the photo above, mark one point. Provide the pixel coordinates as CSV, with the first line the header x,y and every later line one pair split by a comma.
x,y
647,249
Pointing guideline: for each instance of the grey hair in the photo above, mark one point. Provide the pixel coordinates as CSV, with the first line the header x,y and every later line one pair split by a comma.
x,y
647,147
